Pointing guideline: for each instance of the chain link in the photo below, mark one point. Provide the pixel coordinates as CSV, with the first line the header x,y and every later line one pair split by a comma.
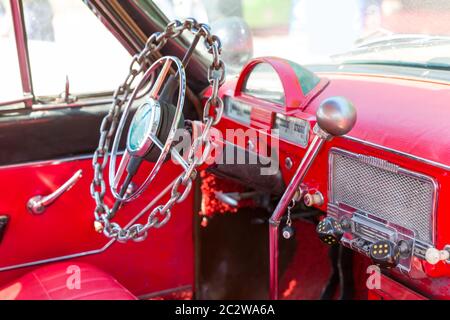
x,y
289,208
140,62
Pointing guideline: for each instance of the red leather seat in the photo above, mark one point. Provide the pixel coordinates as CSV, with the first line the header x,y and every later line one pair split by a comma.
x,y
53,282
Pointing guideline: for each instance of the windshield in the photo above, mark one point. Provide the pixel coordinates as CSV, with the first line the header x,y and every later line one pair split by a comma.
x,y
405,32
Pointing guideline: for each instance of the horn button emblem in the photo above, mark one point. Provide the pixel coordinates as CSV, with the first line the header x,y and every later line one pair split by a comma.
x,y
145,125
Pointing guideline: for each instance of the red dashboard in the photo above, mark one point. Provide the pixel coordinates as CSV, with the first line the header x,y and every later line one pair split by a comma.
x,y
401,134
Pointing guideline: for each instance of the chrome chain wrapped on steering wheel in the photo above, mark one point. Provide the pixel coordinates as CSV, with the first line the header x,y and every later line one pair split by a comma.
x,y
160,215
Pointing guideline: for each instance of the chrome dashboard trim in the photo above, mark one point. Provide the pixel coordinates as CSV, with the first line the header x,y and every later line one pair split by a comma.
x,y
389,166
290,119
400,153
379,163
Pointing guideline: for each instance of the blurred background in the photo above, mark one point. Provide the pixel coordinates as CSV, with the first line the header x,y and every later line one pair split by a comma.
x,y
66,39
309,31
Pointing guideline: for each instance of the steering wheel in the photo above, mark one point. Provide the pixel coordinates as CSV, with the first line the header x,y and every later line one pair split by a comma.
x,y
153,128
155,121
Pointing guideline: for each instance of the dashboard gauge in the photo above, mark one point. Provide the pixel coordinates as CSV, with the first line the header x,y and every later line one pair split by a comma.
x,y
237,110
292,129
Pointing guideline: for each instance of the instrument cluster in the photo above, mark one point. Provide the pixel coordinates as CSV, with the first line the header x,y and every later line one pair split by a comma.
x,y
287,128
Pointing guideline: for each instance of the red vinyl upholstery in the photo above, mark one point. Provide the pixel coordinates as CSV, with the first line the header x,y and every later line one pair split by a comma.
x,y
52,282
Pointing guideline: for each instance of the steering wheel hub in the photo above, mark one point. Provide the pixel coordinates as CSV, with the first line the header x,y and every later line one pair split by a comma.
x,y
145,124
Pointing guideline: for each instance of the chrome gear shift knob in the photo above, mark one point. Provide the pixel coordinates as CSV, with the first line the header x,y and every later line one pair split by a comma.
x,y
336,116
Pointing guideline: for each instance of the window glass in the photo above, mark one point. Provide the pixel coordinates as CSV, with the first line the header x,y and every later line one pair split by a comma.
x,y
10,83
264,83
66,39
402,32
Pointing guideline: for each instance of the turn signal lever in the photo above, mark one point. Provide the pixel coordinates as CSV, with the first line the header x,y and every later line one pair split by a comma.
x,y
335,117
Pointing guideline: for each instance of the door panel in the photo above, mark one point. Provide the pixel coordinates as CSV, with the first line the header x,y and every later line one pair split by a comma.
x,y
68,129
163,261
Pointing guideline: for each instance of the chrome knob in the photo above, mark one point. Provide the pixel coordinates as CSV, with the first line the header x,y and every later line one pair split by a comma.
x,y
336,116
433,255
315,199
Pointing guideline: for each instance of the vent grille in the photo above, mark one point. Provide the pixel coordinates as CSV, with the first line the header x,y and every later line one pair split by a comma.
x,y
383,190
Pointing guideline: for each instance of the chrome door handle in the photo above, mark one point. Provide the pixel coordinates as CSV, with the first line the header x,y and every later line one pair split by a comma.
x,y
38,204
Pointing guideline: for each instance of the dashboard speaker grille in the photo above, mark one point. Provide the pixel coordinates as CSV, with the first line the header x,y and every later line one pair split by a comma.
x,y
384,190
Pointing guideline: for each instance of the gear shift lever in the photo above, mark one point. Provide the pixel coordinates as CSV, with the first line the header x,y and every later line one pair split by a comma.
x,y
335,117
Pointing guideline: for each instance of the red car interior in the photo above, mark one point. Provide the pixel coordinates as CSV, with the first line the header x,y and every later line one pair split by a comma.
x,y
49,283
371,141
60,234
383,129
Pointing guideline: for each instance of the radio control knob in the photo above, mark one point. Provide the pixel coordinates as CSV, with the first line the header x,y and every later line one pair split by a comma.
x,y
329,231
433,255
385,253
404,248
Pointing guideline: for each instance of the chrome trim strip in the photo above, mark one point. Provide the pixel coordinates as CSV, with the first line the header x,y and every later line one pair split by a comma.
x,y
379,163
400,153
47,162
164,292
15,102
77,104
23,55
51,162
91,252
400,170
